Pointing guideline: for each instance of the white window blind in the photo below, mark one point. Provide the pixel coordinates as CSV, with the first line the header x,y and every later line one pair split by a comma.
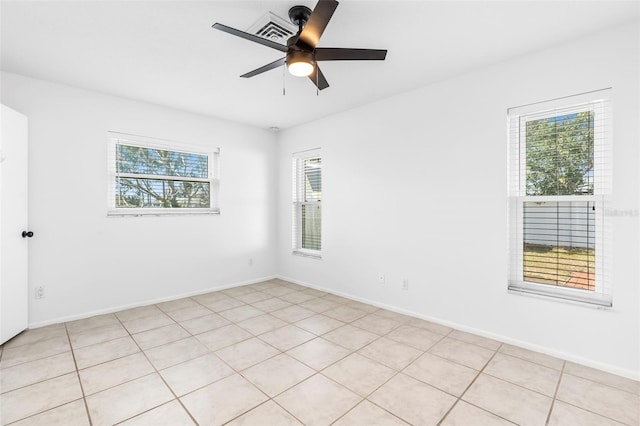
x,y
307,203
148,176
559,180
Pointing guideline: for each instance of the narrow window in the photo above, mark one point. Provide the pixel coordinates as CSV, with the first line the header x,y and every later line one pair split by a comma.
x,y
307,198
559,170
156,177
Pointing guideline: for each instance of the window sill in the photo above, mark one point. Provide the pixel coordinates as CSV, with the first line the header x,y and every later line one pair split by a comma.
x,y
307,253
161,212
601,304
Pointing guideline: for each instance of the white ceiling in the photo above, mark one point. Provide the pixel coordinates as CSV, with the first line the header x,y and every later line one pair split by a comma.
x,y
167,53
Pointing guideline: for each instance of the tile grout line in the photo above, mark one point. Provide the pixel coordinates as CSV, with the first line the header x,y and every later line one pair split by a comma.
x,y
317,372
316,336
146,411
397,372
93,330
469,386
159,375
38,382
522,386
555,394
370,402
288,323
272,399
496,352
595,413
55,377
461,365
532,361
366,398
588,410
257,406
634,394
356,351
75,363
401,371
239,372
35,359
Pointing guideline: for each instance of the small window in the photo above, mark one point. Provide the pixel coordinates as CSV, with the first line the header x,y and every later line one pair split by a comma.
x,y
307,198
158,177
559,174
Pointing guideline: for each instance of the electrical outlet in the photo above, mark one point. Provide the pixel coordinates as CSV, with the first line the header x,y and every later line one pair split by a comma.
x,y
39,292
381,278
405,283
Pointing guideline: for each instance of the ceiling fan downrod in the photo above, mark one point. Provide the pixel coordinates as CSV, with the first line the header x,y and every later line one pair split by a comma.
x,y
299,15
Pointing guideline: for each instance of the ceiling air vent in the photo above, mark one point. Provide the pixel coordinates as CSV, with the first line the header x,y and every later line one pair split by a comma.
x,y
273,27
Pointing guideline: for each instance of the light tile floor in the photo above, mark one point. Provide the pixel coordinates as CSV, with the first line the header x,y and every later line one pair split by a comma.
x,y
275,353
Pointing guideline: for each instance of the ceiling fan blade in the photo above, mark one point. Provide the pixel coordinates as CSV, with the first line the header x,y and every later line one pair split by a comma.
x,y
275,64
337,54
318,79
250,37
318,21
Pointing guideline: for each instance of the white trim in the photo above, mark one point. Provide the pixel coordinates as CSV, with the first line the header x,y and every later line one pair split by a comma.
x,y
165,144
162,177
599,103
309,153
133,212
554,299
557,198
561,102
566,294
147,302
316,254
299,200
634,375
114,139
556,111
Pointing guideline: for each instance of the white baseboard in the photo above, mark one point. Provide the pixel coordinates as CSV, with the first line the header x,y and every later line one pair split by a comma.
x,y
634,375
145,303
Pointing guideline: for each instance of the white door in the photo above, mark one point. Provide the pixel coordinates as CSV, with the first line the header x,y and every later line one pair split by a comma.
x,y
14,289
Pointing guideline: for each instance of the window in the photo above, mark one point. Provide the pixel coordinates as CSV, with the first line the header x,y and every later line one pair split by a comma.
x,y
157,177
307,197
558,183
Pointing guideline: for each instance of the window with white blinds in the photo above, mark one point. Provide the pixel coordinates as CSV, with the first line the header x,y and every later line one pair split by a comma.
x,y
149,176
307,203
559,180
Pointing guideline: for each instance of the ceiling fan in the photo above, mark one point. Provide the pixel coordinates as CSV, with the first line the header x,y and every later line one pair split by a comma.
x,y
302,53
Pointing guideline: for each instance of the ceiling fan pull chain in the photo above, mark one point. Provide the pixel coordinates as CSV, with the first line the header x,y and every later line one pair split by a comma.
x,y
283,81
317,84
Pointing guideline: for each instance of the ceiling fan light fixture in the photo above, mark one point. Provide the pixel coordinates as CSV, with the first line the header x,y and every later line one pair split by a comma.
x,y
300,64
301,50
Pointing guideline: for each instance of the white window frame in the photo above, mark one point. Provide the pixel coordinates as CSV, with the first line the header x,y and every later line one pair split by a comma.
x,y
299,201
115,139
597,102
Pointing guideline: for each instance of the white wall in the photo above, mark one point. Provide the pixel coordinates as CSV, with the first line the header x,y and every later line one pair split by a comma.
x,y
415,186
89,262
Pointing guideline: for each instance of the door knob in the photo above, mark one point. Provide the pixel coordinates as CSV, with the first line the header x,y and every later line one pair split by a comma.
x,y
26,234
